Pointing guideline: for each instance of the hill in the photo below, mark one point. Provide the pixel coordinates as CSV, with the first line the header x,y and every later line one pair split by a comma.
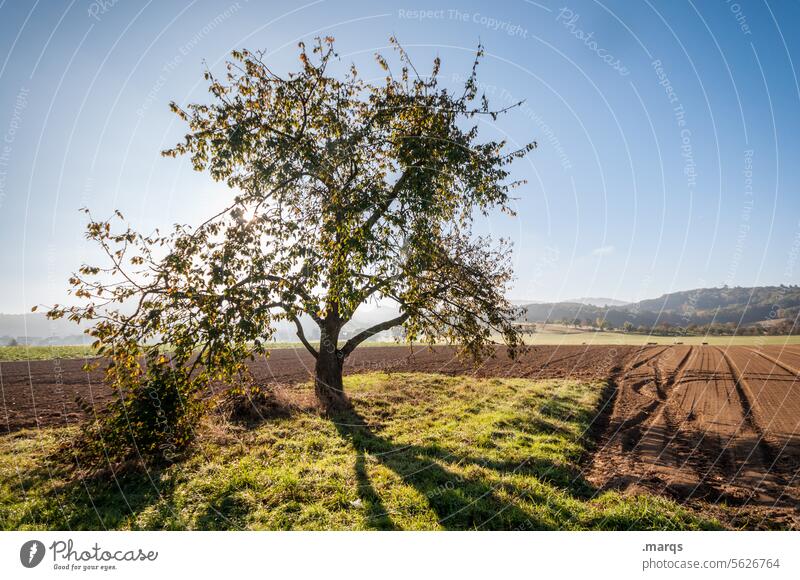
x,y
774,309
770,307
589,301
36,329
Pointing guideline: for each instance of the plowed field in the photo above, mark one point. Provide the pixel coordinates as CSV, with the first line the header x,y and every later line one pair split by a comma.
x,y
43,393
705,422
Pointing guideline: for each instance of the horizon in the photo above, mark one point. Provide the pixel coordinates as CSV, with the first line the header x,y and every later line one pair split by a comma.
x,y
385,304
668,168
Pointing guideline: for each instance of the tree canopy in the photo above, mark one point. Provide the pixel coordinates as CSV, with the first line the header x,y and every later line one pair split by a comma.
x,y
344,191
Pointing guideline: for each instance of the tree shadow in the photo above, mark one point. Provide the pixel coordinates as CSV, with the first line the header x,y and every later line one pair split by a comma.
x,y
478,499
460,502
89,502
378,516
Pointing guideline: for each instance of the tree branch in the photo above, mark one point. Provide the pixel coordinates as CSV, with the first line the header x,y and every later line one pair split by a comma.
x,y
351,344
383,207
297,289
301,335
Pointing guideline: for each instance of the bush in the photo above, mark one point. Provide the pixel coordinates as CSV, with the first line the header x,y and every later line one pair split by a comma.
x,y
151,423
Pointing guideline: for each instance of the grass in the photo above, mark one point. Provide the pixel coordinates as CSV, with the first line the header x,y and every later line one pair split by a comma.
x,y
17,353
22,353
417,452
551,334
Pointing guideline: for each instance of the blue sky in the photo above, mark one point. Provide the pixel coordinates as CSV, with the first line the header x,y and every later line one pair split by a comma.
x,y
668,131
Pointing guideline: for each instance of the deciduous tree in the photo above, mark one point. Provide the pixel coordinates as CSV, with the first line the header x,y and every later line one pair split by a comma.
x,y
345,191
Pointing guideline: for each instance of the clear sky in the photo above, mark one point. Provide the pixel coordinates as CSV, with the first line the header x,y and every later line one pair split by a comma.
x,y
668,131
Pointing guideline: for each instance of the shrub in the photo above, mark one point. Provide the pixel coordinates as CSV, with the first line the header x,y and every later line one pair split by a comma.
x,y
153,420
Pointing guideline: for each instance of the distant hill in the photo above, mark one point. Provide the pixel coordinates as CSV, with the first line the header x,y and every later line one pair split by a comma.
x,y
766,306
702,306
598,301
35,329
589,301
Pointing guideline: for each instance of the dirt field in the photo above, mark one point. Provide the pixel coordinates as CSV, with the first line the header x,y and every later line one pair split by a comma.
x,y
702,422
43,392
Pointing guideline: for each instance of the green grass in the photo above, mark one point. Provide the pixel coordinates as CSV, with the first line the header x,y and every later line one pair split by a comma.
x,y
556,334
16,353
419,452
21,353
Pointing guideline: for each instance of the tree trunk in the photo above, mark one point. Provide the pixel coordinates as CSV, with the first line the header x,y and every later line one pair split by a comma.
x,y
328,380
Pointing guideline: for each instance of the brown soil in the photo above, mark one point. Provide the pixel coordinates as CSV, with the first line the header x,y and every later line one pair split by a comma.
x,y
43,393
702,422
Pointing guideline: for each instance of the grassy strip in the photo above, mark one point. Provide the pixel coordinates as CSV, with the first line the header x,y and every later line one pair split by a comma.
x,y
23,353
418,452
617,338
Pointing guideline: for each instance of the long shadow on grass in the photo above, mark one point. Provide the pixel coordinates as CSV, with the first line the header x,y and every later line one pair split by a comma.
x,y
94,502
460,503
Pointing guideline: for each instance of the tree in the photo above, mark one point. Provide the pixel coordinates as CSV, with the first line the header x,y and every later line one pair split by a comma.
x,y
627,326
347,191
